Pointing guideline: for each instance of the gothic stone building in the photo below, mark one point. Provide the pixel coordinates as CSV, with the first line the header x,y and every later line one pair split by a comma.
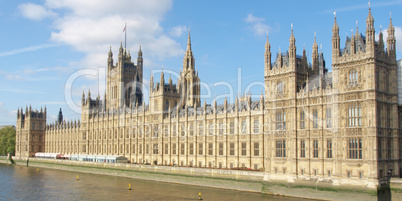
x,y
340,126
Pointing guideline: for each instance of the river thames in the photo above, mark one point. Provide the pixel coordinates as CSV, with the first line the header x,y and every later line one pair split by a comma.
x,y
26,183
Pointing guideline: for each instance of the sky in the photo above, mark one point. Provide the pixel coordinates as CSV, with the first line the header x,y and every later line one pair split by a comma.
x,y
53,50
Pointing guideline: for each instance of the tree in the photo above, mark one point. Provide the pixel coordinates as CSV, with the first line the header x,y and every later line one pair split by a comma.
x,y
7,140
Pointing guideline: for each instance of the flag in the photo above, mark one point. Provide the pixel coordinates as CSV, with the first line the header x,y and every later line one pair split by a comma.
x,y
124,28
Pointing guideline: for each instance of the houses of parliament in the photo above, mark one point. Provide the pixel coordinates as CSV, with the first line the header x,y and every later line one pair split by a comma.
x,y
340,126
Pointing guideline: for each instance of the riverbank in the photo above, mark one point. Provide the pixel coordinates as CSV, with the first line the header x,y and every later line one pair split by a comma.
x,y
250,181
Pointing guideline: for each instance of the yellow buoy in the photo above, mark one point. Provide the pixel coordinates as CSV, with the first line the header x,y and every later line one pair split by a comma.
x,y
199,196
37,169
129,186
77,178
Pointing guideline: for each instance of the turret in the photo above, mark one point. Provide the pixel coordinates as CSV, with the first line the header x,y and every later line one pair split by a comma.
x,y
335,40
162,80
267,55
315,56
292,50
151,82
60,117
381,42
391,39
110,59
121,53
370,32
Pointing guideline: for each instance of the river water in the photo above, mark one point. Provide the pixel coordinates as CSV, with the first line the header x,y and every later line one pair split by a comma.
x,y
26,183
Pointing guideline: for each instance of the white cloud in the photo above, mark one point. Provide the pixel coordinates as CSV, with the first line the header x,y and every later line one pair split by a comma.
x,y
26,49
35,12
177,31
92,27
398,36
257,24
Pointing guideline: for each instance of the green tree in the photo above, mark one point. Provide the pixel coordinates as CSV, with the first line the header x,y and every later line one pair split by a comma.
x,y
7,140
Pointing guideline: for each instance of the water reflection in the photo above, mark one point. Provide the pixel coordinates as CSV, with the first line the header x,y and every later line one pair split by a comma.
x,y
25,183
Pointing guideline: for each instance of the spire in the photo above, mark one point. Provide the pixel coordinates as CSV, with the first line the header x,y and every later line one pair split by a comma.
x,y
162,78
188,41
315,46
110,58
357,28
140,52
292,40
391,38
267,54
315,55
370,31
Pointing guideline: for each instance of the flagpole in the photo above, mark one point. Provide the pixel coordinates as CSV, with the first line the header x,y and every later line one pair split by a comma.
x,y
125,37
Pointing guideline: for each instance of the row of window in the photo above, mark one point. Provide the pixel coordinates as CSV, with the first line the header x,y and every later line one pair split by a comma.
x,y
191,150
354,148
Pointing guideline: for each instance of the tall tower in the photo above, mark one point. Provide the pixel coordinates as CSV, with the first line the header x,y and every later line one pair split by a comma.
x,y
188,80
30,132
124,80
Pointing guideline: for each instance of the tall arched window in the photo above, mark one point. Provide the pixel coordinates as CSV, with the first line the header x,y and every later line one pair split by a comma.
x,y
280,87
353,77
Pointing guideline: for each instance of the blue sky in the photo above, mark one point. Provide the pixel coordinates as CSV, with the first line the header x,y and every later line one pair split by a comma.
x,y
47,46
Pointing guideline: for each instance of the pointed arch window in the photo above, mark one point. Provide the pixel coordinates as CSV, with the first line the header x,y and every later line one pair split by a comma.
x,y
353,78
280,86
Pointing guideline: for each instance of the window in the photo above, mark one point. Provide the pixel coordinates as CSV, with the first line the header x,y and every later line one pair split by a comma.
x,y
232,127
84,136
156,131
353,77
329,148
133,148
379,148
302,120
280,121
191,129
139,149
329,118
147,149
200,149
182,148
280,148
220,149
155,148
302,148
166,148
280,87
315,118
166,131
355,148
243,149
231,146
389,148
174,131
221,127
256,149
211,129
201,128
210,149
355,116
174,148
243,126
256,126
183,130
315,148
191,148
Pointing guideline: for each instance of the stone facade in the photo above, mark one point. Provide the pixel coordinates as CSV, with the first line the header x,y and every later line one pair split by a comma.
x,y
340,126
